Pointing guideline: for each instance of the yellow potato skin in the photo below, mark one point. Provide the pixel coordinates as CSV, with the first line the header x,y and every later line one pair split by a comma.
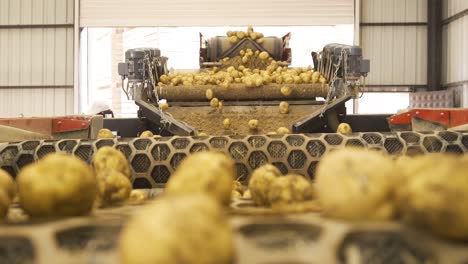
x,y
260,182
434,195
209,173
290,189
178,229
113,186
109,157
356,184
344,128
57,185
146,134
105,133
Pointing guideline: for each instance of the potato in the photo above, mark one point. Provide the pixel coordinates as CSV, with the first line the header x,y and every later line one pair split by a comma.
x,y
253,124
272,133
220,105
253,35
105,133
315,77
284,107
164,106
57,185
260,40
5,202
182,229
247,195
344,128
209,94
260,182
282,131
111,158
226,123
240,35
434,195
146,134
233,39
290,189
113,187
7,184
356,184
286,91
322,80
237,186
204,172
250,29
214,102
137,196
235,194
202,134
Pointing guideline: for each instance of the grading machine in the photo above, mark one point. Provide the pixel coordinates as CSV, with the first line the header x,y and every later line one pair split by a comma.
x,y
314,109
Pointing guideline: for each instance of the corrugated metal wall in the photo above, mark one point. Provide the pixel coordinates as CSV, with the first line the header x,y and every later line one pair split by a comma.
x,y
455,51
101,13
36,57
394,37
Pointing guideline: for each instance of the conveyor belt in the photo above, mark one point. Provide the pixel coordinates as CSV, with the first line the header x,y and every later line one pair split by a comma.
x,y
153,160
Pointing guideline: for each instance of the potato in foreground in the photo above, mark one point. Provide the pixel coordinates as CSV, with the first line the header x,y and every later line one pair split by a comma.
x,y
356,184
435,193
111,158
7,184
260,183
146,134
7,192
57,185
290,189
209,173
113,187
178,229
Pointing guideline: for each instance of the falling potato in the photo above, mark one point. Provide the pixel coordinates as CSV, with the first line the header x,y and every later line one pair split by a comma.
x,y
110,158
209,173
290,189
214,102
164,106
146,134
207,237
260,183
434,194
356,184
235,194
253,124
105,133
344,128
284,107
113,187
209,94
247,194
226,123
57,185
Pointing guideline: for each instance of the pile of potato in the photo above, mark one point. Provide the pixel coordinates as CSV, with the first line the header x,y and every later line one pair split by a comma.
x,y
235,36
273,73
268,187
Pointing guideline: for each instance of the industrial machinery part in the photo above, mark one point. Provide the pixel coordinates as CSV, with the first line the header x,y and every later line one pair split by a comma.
x,y
217,48
25,128
143,68
423,119
154,160
343,66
